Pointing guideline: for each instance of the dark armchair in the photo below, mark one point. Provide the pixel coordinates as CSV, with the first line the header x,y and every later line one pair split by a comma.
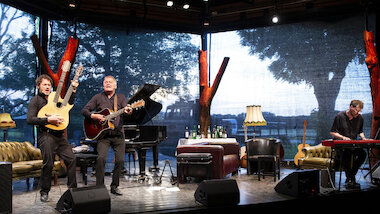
x,y
261,151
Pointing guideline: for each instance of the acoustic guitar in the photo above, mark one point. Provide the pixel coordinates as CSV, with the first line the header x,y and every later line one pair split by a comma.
x,y
94,129
57,106
300,154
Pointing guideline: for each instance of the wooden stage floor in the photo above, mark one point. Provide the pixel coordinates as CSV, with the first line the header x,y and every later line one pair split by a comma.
x,y
148,197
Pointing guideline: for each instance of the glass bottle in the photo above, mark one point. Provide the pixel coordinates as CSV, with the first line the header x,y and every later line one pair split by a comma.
x,y
194,132
220,132
224,132
208,132
187,132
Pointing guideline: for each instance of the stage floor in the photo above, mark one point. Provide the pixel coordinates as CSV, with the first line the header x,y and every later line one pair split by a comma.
x,y
147,196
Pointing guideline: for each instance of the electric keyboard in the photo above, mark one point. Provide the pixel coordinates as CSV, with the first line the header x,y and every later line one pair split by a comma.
x,y
352,143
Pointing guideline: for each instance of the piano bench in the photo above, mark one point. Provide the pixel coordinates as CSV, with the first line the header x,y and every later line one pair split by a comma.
x,y
84,161
198,165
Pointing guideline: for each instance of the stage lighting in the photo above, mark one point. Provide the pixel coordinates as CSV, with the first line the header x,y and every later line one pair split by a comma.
x,y
72,4
186,6
170,3
275,19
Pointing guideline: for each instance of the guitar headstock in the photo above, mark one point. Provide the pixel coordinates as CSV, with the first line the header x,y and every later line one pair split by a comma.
x,y
79,70
138,104
66,66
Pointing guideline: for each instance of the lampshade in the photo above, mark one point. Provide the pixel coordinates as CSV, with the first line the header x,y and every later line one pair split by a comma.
x,y
6,121
254,116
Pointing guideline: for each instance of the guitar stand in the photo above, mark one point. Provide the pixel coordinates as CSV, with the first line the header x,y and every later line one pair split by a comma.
x,y
173,179
372,169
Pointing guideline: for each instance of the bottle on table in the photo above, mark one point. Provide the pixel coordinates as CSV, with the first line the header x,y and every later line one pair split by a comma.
x,y
187,132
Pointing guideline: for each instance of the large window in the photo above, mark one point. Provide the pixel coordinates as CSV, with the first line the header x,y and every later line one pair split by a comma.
x,y
300,72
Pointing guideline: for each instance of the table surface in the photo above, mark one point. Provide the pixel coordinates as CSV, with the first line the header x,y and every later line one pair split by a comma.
x,y
185,141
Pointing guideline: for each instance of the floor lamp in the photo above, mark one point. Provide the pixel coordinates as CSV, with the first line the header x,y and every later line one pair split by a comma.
x,y
6,122
253,118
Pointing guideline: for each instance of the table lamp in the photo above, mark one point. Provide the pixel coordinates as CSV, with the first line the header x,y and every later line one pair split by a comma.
x,y
253,118
6,122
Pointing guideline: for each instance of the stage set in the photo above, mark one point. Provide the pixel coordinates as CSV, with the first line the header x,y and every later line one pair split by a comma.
x,y
209,177
151,196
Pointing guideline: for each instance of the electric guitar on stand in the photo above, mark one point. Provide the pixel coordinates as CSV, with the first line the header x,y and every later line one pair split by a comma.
x,y
95,129
300,154
55,104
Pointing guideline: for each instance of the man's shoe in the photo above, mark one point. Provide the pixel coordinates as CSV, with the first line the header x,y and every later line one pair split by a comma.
x,y
44,197
348,180
116,191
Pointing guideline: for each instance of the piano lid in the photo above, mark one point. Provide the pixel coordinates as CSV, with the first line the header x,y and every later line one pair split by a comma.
x,y
150,110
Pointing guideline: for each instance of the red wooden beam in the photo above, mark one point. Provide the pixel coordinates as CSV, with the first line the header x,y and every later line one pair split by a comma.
x,y
372,62
70,53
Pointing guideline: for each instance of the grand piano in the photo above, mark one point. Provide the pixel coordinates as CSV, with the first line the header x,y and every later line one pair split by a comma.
x,y
138,134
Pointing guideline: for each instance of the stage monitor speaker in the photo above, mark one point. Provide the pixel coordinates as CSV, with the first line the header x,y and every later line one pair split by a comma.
x,y
299,183
6,187
218,192
94,199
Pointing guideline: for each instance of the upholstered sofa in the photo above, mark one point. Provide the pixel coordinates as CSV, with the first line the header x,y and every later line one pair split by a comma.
x,y
316,157
225,156
26,160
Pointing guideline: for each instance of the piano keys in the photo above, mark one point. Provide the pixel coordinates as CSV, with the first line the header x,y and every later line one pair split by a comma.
x,y
352,143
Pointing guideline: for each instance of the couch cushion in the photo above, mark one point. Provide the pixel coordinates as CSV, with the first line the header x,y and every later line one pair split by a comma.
x,y
37,164
316,161
19,167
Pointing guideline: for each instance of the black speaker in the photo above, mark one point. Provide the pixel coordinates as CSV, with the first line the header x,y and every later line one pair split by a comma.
x,y
6,187
218,192
299,183
94,199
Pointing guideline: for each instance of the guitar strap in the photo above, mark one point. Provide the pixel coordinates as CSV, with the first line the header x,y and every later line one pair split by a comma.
x,y
115,103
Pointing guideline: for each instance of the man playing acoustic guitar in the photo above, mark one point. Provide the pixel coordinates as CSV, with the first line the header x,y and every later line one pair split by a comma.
x,y
51,142
113,137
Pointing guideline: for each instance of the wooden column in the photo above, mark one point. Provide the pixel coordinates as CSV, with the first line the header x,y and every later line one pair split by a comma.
x,y
70,53
372,62
206,93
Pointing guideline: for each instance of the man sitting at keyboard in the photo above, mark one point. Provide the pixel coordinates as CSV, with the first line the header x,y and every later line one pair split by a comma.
x,y
347,126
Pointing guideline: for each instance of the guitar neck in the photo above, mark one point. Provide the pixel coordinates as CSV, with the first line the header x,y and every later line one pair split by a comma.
x,y
65,67
115,114
135,105
69,92
59,87
304,133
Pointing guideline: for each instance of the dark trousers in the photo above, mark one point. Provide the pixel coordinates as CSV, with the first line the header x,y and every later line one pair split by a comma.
x,y
118,145
352,159
50,146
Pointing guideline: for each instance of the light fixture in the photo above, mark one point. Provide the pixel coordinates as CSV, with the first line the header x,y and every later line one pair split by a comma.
x,y
169,3
186,6
6,122
72,3
275,19
206,22
253,118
